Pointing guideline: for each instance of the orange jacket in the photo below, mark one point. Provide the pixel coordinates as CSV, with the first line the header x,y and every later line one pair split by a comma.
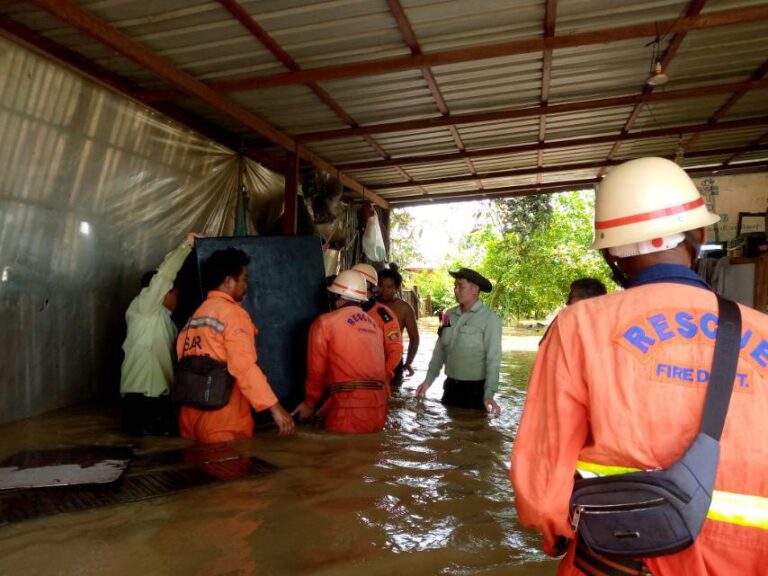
x,y
222,328
346,346
393,338
620,381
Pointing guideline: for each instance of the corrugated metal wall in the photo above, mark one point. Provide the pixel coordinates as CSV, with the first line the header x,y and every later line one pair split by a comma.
x,y
94,190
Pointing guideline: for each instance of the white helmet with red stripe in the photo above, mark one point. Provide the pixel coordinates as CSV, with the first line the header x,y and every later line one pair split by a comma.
x,y
350,285
644,205
368,271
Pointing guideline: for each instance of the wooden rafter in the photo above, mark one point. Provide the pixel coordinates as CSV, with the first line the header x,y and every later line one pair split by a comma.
x,y
554,145
674,44
725,108
547,188
527,46
757,144
89,23
500,115
242,16
538,171
409,36
501,192
550,18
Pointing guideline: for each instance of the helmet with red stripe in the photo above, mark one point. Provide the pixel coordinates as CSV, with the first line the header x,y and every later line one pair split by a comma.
x,y
643,206
368,271
350,285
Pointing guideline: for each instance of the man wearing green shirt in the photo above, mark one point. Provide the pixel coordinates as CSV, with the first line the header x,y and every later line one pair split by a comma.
x,y
147,369
469,346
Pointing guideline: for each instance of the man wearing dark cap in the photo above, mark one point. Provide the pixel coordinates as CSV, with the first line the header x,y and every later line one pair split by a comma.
x,y
469,346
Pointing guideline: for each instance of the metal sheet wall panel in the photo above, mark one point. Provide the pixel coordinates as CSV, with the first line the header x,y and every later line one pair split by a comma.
x,y
94,189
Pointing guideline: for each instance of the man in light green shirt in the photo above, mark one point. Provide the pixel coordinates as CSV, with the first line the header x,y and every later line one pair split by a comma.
x,y
147,369
469,346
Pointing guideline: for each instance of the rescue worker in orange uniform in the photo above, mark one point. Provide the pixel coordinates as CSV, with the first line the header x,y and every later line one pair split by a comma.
x,y
385,318
222,329
620,380
346,360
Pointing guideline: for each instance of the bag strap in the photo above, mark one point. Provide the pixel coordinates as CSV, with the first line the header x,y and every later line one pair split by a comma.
x,y
724,362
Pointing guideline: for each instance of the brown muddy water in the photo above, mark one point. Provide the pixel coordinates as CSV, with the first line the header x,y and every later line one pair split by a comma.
x,y
428,495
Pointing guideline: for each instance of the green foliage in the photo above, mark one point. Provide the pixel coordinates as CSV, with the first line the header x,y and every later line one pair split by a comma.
x,y
532,266
404,237
531,248
438,284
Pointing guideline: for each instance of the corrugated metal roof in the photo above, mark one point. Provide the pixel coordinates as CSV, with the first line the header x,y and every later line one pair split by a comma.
x,y
330,40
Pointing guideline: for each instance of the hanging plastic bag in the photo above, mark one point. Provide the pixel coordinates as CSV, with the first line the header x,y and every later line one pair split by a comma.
x,y
373,241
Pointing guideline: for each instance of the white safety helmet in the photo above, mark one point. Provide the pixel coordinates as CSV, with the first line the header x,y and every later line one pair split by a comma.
x,y
645,205
350,285
368,271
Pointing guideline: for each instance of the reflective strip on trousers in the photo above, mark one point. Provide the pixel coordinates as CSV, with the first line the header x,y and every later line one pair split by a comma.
x,y
730,507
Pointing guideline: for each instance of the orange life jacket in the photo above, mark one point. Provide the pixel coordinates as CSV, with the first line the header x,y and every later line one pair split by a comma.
x,y
346,356
619,385
222,329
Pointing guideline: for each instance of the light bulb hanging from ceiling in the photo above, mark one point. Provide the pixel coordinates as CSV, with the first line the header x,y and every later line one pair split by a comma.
x,y
657,76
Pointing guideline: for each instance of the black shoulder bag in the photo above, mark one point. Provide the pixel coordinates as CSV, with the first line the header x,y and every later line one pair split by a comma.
x,y
642,514
201,382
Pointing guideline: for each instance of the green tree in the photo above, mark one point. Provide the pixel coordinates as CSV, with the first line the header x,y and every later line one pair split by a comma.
x,y
532,259
404,238
438,284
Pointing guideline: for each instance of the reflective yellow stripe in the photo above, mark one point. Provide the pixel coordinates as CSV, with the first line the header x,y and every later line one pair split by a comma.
x,y
739,509
730,507
603,470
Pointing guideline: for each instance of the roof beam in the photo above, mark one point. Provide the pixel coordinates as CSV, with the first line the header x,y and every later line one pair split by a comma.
x,y
735,97
548,188
409,37
556,168
535,147
502,192
545,109
242,16
694,9
755,145
456,56
92,25
550,18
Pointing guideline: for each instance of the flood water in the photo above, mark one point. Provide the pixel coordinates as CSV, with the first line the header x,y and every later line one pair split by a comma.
x,y
428,495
